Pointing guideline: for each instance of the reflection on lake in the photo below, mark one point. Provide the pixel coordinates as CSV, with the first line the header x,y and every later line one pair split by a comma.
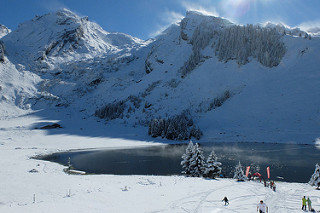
x,y
292,162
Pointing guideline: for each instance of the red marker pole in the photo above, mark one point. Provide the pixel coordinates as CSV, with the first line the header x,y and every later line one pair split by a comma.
x,y
268,172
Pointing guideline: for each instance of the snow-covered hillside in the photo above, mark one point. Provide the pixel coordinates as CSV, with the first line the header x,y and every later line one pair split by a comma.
x,y
4,30
236,83
17,87
61,37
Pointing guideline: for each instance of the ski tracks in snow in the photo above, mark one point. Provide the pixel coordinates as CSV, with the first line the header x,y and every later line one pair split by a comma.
x,y
201,202
210,201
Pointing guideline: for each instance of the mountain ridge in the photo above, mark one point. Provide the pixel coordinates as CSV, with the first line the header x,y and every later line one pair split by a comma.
x,y
63,35
206,65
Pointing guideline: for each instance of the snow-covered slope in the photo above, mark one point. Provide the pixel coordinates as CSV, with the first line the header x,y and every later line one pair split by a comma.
x,y
237,83
17,87
265,104
4,30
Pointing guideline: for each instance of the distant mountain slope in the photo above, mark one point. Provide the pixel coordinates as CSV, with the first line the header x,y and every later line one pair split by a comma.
x,y
265,100
237,83
17,87
61,37
4,30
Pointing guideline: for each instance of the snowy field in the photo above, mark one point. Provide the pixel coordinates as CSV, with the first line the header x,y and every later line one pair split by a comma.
x,y
51,190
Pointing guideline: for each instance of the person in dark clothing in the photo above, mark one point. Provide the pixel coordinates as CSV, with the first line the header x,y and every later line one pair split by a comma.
x,y
226,201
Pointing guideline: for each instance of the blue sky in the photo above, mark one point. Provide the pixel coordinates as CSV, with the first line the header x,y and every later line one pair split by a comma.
x,y
146,18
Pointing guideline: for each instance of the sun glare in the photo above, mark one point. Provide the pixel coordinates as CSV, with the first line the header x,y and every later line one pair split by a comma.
x,y
236,8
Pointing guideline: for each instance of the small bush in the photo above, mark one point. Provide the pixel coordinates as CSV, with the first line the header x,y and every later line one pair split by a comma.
x,y
150,88
218,101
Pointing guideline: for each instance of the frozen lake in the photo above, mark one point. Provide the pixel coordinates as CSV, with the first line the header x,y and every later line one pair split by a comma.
x,y
288,162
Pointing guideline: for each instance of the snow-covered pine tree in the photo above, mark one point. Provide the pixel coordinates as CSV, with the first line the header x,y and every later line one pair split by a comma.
x,y
200,40
111,111
240,42
197,163
315,178
213,168
239,174
185,163
178,127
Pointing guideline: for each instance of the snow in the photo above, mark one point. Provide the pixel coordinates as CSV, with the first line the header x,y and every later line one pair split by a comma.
x,y
17,86
4,31
56,38
56,191
278,104
44,82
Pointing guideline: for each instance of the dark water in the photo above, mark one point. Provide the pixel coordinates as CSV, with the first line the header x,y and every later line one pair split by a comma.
x,y
288,162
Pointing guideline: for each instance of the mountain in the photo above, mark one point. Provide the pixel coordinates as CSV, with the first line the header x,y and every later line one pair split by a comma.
x,y
4,30
61,37
205,74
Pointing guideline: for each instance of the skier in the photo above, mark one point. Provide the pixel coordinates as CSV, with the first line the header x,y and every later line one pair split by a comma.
x,y
309,204
273,186
304,203
226,201
262,207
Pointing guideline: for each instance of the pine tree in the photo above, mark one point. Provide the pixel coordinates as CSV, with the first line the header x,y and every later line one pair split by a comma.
x,y
213,168
241,42
185,163
197,163
239,174
315,178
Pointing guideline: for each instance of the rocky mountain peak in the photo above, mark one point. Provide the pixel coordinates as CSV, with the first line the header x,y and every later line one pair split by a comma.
x,y
195,19
4,30
66,35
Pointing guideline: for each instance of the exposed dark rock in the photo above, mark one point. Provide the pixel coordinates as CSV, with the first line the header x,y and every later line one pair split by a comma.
x,y
51,126
2,51
95,82
33,171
